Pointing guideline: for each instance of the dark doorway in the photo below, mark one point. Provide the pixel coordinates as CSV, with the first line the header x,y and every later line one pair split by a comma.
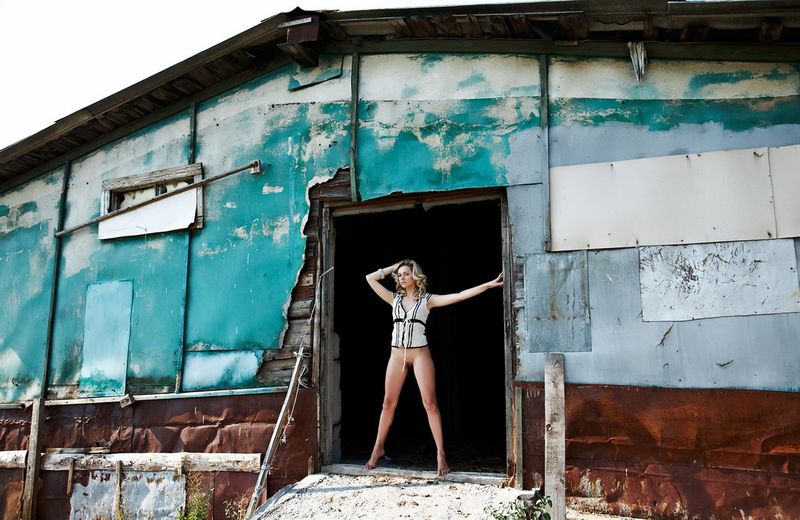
x,y
458,246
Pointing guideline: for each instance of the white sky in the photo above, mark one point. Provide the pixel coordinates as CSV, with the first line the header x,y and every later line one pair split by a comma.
x,y
58,56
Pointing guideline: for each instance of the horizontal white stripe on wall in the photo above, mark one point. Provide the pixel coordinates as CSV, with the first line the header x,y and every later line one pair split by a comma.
x,y
680,283
424,77
784,165
677,199
668,79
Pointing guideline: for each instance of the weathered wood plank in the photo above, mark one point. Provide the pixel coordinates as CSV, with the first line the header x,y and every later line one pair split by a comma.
x,y
14,459
554,434
491,479
242,462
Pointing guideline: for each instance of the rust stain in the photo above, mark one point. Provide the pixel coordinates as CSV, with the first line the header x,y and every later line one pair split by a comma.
x,y
674,453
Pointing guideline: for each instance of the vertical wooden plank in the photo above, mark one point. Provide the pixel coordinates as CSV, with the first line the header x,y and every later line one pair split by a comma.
x,y
355,70
544,100
554,434
512,460
32,462
519,436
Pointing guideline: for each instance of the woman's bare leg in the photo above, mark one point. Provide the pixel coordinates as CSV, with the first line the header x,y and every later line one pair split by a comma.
x,y
426,379
395,377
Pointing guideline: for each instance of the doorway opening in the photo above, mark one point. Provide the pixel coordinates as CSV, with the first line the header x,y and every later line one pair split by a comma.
x,y
458,246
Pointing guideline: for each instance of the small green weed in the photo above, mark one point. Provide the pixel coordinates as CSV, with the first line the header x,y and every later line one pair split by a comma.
x,y
518,511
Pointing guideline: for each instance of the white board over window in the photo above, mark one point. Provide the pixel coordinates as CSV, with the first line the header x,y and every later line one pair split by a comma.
x,y
172,213
676,199
784,165
680,283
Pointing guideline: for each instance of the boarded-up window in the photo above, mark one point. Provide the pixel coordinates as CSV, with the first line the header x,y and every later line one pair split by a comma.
x,y
180,211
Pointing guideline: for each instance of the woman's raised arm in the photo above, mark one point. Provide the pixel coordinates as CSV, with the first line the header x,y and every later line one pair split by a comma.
x,y
372,279
441,300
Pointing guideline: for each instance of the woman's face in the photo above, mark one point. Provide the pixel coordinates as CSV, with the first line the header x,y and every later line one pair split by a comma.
x,y
404,278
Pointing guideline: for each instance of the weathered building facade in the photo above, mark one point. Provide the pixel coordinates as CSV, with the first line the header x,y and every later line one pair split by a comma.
x,y
648,228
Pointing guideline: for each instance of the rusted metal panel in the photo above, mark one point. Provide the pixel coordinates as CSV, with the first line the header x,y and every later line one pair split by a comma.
x,y
14,429
670,453
784,163
724,279
557,302
679,199
11,484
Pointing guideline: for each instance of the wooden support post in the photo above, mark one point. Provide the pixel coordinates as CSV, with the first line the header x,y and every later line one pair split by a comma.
x,y
554,435
519,476
32,462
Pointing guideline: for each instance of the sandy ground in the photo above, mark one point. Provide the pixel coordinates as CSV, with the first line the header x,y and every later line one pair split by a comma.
x,y
328,496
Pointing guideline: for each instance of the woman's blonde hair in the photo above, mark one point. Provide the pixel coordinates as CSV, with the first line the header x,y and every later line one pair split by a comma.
x,y
416,273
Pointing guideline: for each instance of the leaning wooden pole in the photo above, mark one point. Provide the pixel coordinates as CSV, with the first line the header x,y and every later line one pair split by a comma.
x,y
555,425
294,382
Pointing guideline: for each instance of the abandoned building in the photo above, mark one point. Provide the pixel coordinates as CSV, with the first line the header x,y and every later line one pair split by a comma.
x,y
633,167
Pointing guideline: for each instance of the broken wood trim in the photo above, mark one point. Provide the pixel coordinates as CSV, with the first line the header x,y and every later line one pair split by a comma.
x,y
355,69
253,166
406,201
150,179
184,461
555,434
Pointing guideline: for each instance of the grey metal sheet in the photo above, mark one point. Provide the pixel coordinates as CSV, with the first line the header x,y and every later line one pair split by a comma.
x,y
784,165
754,352
143,494
557,302
681,283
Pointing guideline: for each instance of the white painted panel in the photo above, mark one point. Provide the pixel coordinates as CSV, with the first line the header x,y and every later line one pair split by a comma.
x,y
678,199
668,79
680,283
437,77
784,165
176,212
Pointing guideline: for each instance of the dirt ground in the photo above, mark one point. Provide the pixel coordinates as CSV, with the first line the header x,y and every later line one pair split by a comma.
x,y
329,496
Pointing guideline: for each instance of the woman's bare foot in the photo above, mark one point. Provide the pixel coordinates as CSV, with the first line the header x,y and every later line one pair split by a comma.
x,y
441,463
372,463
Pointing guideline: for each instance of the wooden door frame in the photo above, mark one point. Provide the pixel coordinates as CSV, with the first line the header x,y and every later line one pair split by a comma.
x,y
325,355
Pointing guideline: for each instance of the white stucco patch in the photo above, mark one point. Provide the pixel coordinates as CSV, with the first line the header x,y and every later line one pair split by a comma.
x,y
267,189
430,77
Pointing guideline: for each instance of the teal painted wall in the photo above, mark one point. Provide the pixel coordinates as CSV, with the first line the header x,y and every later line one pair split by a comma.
x,y
28,219
426,123
155,264
246,259
441,122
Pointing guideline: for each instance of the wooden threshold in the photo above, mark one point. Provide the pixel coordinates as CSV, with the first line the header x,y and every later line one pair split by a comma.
x,y
488,479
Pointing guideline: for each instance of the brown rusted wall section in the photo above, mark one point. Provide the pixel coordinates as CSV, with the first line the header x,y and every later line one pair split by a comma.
x,y
240,424
667,453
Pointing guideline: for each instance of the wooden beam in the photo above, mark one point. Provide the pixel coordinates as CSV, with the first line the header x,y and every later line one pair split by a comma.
x,y
241,462
33,456
491,479
554,434
770,30
14,459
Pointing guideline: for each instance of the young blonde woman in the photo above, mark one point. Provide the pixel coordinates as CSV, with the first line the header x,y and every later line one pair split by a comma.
x,y
410,306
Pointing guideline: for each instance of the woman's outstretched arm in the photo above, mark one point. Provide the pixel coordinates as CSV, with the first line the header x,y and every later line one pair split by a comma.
x,y
372,279
440,300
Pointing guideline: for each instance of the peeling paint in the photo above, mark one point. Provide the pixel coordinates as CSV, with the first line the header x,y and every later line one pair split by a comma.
x,y
425,77
227,369
613,79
